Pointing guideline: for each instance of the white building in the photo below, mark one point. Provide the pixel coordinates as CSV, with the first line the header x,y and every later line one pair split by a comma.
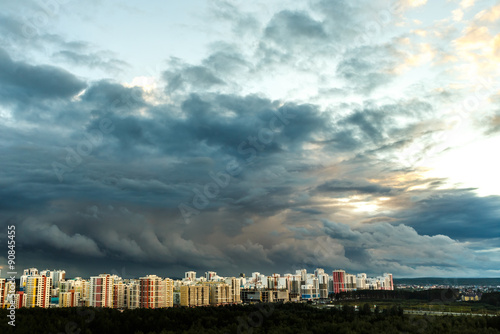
x,y
210,275
190,275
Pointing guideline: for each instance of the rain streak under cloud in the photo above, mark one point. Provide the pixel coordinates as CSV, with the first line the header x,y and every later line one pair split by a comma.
x,y
157,137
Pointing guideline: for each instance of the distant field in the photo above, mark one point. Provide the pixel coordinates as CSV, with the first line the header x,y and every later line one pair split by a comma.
x,y
448,281
418,305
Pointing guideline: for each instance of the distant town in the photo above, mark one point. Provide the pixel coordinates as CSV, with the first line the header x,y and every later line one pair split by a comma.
x,y
51,288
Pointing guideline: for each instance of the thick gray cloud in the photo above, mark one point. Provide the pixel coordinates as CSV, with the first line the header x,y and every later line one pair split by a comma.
x,y
456,214
345,186
139,173
20,81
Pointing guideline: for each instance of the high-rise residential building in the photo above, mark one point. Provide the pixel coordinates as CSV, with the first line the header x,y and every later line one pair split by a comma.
x,y
156,292
38,290
256,277
66,286
194,295
101,291
350,282
386,282
7,292
361,281
235,288
190,275
312,284
284,283
20,299
306,291
338,278
119,294
77,284
391,281
56,275
133,293
319,271
85,296
210,275
177,297
69,298
220,293
295,285
30,272
373,283
273,281
303,275
168,286
25,275
150,292
4,292
323,285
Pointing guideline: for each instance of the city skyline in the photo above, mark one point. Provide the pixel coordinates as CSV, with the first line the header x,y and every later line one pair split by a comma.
x,y
51,288
160,137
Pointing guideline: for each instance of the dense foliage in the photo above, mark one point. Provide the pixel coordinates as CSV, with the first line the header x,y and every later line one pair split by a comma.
x,y
442,295
261,318
492,298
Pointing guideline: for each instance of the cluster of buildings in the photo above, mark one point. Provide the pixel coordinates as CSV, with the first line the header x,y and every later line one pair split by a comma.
x,y
50,288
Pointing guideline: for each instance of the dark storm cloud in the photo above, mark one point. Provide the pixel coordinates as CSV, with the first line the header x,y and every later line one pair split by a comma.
x,y
396,244
340,231
50,236
109,95
309,211
227,124
457,214
20,81
138,240
358,255
344,186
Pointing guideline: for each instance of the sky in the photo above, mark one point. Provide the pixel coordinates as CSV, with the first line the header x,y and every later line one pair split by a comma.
x,y
157,137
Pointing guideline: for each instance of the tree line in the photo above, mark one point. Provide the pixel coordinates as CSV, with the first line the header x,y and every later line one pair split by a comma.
x,y
258,318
